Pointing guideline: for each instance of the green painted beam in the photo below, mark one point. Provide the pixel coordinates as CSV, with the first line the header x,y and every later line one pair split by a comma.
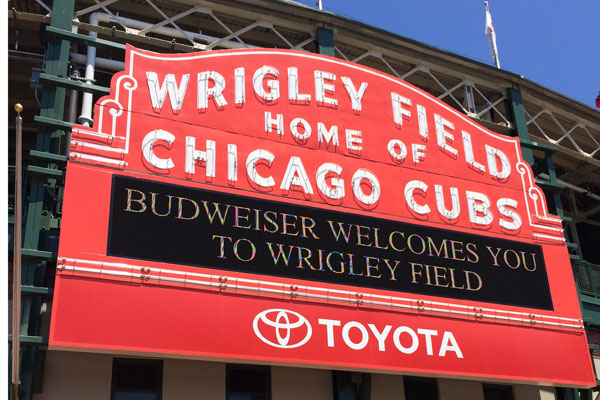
x,y
546,148
48,156
72,84
325,42
84,39
52,173
549,185
37,290
38,254
517,111
53,123
26,339
556,195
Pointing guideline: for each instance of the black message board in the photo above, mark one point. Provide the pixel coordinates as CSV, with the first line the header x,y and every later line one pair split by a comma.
x,y
181,225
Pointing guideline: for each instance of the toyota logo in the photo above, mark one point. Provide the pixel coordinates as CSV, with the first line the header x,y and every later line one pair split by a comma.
x,y
281,328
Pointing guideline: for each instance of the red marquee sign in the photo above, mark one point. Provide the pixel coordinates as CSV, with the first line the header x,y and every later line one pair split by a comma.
x,y
290,208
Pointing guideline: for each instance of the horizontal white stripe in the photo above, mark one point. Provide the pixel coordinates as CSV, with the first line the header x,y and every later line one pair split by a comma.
x,y
392,303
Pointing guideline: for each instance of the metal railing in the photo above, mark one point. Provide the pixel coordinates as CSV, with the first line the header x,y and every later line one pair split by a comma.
x,y
587,276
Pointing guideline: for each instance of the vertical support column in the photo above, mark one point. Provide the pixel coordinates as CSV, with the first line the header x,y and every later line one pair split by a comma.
x,y
325,42
517,111
555,194
547,165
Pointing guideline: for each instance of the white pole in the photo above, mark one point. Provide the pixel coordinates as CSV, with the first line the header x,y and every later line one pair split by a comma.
x,y
491,34
16,298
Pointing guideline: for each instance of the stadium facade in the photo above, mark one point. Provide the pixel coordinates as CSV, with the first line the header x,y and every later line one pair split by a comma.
x,y
256,199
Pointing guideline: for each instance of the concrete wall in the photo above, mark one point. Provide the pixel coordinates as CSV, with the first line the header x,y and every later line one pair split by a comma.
x,y
300,384
454,389
70,375
186,379
387,387
76,376
526,392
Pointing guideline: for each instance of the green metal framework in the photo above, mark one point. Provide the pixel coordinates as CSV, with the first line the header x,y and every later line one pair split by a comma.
x,y
40,212
587,276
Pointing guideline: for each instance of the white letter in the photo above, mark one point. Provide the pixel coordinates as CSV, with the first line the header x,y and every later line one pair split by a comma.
x,y
192,155
269,122
295,174
321,87
381,336
392,150
479,203
240,86
293,95
216,92
449,339
492,153
469,152
251,162
507,212
148,148
365,335
397,101
273,84
232,162
335,192
353,140
355,96
439,199
428,333
330,323
358,176
296,132
418,152
328,136
442,134
415,340
422,118
409,196
158,94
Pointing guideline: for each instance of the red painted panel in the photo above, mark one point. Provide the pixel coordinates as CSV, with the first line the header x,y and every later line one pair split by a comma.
x,y
154,127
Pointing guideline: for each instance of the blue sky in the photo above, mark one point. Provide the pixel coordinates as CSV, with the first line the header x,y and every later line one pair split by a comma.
x,y
555,43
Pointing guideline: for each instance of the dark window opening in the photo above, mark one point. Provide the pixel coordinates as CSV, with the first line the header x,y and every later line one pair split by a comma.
x,y
497,392
351,385
136,379
420,389
248,382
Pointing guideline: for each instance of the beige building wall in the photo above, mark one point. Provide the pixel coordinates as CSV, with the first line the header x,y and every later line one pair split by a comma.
x,y
454,389
74,375
187,379
69,375
387,387
528,392
300,384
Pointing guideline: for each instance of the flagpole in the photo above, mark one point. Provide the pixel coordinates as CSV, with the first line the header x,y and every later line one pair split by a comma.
x,y
491,34
16,295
